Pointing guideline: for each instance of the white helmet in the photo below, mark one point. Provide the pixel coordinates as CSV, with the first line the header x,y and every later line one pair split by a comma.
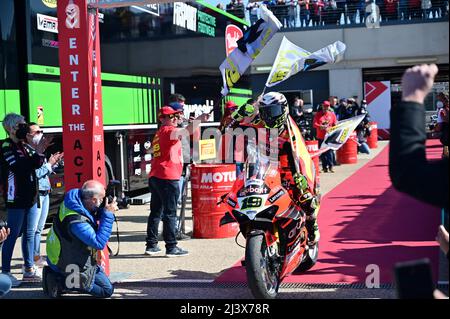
x,y
273,109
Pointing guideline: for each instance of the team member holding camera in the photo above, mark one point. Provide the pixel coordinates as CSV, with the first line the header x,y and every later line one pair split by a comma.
x,y
18,163
82,228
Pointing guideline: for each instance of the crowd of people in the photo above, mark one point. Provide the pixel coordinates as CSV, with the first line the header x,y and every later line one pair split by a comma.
x,y
307,13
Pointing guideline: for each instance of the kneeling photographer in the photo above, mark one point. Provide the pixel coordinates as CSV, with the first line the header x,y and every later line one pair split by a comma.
x,y
82,227
18,163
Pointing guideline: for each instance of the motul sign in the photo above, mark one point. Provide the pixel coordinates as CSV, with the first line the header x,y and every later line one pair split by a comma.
x,y
79,58
232,35
218,177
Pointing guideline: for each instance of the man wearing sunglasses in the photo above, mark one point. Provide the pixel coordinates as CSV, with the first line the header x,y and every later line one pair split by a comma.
x,y
164,177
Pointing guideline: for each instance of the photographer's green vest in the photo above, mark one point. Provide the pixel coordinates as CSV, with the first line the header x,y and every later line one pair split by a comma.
x,y
64,249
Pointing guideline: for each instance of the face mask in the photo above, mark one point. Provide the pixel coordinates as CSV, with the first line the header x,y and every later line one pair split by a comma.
x,y
37,138
439,104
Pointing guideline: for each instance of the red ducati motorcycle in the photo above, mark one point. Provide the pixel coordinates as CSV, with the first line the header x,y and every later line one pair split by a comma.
x,y
272,224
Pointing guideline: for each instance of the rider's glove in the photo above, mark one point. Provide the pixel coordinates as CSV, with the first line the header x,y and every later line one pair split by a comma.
x,y
300,181
244,110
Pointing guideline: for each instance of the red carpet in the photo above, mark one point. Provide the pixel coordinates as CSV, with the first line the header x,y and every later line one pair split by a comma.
x,y
365,221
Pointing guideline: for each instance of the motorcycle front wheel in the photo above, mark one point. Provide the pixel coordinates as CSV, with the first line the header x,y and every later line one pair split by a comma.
x,y
262,276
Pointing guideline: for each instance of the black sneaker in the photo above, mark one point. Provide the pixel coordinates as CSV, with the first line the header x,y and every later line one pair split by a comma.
x,y
152,250
182,236
176,252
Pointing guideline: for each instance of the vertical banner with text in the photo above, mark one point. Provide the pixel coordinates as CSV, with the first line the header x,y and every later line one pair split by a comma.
x,y
79,59
81,98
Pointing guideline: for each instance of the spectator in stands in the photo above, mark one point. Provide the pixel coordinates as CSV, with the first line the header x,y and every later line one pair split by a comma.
x,y
280,11
403,13
236,8
415,9
426,8
305,12
409,168
220,6
390,10
352,10
323,120
292,13
252,7
316,14
341,4
444,8
330,14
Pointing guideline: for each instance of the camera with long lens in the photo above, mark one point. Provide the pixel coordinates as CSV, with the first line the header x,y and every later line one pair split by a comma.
x,y
22,130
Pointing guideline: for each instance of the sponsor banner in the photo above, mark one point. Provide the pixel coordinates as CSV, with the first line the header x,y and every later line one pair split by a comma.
x,y
340,133
292,59
378,97
50,43
207,149
248,48
232,35
47,23
79,58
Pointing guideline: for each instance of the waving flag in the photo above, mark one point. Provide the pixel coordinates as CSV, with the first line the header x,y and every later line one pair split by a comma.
x,y
340,133
249,46
292,59
302,158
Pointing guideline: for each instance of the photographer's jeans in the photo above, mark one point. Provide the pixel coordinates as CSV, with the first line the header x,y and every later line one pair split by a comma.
x,y
41,219
5,285
163,205
102,287
20,222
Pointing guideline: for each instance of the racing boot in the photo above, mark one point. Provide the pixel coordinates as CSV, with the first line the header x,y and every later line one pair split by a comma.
x,y
313,231
311,207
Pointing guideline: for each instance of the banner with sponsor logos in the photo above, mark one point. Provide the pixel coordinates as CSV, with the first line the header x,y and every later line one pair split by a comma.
x,y
249,46
79,58
81,98
292,59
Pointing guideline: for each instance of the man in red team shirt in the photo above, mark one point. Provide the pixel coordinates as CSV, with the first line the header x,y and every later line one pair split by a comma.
x,y
323,120
167,166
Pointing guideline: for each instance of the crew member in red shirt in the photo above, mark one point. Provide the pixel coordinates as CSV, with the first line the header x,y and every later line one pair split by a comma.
x,y
323,120
164,176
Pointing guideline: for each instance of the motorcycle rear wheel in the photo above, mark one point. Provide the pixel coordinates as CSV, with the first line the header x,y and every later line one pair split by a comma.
x,y
261,277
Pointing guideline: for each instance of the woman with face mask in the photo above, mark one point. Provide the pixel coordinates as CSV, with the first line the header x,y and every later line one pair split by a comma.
x,y
35,139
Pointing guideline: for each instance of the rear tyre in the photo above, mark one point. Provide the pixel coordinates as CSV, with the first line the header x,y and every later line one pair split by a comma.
x,y
262,278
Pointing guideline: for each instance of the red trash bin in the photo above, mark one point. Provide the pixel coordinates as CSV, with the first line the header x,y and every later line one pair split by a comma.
x,y
348,153
372,140
208,183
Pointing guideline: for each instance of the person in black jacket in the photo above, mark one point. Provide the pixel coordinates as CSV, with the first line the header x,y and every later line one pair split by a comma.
x,y
409,169
18,163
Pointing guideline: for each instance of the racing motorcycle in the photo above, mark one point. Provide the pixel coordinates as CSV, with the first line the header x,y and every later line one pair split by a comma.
x,y
272,224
